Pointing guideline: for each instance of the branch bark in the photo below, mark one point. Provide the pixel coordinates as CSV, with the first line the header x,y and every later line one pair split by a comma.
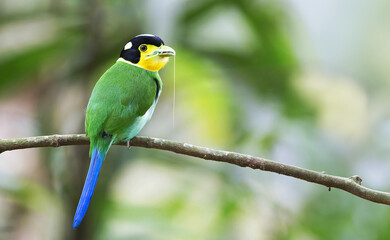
x,y
351,184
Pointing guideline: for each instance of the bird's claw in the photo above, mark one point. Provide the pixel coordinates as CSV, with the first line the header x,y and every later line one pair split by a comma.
x,y
128,144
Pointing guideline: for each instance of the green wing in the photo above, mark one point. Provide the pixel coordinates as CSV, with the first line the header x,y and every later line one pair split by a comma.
x,y
122,94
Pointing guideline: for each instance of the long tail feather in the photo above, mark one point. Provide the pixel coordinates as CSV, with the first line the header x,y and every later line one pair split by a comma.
x,y
89,185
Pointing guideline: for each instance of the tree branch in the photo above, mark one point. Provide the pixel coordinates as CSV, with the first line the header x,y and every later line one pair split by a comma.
x,y
351,184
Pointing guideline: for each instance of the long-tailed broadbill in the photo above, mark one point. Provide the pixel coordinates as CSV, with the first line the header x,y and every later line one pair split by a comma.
x,y
121,103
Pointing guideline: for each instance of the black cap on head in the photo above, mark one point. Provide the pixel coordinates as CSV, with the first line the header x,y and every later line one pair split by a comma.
x,y
131,52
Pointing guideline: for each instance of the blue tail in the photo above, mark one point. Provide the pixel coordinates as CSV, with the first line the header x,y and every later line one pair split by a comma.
x,y
89,185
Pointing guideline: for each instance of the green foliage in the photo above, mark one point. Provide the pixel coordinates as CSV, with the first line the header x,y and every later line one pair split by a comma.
x,y
236,89
268,62
340,218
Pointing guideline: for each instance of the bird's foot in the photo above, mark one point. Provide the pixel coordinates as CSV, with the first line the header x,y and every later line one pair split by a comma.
x,y
128,144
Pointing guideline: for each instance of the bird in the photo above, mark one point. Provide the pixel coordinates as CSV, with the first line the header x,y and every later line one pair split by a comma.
x,y
121,103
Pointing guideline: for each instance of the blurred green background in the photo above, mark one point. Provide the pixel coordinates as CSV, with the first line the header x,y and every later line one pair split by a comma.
x,y
301,82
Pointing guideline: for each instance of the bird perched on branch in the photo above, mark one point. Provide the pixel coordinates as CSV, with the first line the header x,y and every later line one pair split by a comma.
x,y
121,103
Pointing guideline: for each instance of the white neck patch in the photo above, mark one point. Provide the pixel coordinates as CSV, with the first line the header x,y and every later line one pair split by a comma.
x,y
128,45
128,62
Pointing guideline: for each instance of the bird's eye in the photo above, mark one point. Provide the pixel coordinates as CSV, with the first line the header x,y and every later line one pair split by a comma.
x,y
143,48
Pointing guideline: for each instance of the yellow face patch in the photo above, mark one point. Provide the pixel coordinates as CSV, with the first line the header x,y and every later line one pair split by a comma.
x,y
151,58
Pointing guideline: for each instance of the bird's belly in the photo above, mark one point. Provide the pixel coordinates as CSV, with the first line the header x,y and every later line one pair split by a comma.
x,y
138,124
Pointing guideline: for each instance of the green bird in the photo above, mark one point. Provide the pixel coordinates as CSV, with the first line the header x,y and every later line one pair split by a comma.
x,y
121,103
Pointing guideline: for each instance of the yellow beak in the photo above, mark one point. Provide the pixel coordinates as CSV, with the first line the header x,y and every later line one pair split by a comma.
x,y
164,51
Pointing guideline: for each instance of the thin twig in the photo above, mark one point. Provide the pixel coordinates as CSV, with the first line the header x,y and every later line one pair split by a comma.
x,y
351,184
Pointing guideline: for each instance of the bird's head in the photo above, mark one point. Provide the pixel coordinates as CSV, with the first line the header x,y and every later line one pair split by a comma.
x,y
147,51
